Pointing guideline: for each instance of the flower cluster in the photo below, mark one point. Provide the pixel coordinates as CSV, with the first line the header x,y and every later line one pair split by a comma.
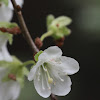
x,y
50,71
9,87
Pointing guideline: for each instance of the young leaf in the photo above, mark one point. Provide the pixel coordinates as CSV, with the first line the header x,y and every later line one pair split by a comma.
x,y
50,18
62,21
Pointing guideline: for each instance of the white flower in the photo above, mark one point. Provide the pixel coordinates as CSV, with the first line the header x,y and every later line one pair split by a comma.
x,y
50,74
9,90
6,12
19,2
4,54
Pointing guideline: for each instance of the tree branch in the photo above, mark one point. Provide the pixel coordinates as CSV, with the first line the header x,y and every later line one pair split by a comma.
x,y
26,32
23,26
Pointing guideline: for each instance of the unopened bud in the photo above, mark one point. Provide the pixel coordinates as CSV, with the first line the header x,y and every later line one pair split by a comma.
x,y
60,42
15,30
38,42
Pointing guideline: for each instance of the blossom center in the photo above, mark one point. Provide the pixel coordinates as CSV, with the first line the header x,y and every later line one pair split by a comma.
x,y
50,80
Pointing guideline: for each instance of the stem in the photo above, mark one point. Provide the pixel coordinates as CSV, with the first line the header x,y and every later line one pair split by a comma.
x,y
52,96
46,35
24,27
28,62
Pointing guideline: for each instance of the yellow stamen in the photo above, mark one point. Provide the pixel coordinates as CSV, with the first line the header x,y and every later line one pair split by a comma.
x,y
50,80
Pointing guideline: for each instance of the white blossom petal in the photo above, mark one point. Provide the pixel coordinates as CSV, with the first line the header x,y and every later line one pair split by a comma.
x,y
6,13
61,88
70,65
41,84
4,54
50,53
9,90
32,73
19,2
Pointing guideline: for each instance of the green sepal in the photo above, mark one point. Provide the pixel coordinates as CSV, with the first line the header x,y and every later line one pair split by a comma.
x,y
37,55
8,24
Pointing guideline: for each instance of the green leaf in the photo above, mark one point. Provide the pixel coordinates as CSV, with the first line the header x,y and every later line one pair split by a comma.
x,y
61,32
50,18
37,55
62,21
8,24
65,31
5,2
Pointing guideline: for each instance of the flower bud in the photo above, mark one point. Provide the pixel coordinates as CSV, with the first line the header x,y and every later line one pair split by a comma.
x,y
38,42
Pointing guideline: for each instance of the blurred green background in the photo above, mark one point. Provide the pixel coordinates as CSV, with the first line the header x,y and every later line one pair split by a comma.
x,y
83,44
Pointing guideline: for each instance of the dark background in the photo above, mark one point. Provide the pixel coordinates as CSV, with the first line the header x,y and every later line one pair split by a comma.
x,y
83,44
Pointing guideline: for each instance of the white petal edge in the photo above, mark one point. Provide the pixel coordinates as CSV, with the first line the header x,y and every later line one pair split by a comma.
x,y
9,90
32,72
6,54
6,13
70,65
62,88
50,53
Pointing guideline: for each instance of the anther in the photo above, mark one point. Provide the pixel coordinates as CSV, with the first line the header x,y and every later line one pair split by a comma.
x,y
50,80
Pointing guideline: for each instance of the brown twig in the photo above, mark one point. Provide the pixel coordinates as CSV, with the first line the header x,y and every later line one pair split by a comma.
x,y
26,32
23,26
53,97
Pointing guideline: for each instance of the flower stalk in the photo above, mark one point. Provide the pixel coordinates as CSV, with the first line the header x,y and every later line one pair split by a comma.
x,y
45,35
28,63
24,27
